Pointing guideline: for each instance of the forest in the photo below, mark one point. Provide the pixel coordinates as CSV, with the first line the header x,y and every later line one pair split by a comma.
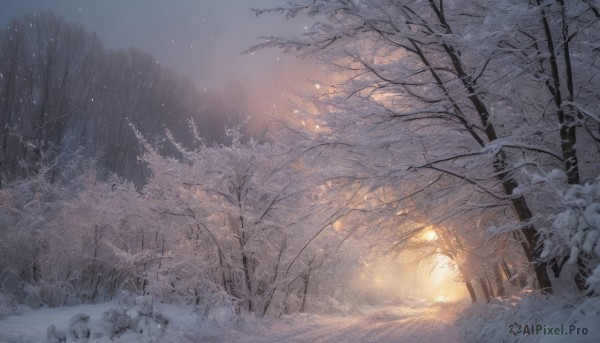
x,y
457,137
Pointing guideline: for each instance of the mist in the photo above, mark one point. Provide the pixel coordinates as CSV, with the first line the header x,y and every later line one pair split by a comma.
x,y
373,171
203,40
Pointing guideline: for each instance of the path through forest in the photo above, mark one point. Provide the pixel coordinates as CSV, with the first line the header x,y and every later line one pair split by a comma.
x,y
397,324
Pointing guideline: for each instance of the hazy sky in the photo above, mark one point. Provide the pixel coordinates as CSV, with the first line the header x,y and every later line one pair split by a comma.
x,y
202,39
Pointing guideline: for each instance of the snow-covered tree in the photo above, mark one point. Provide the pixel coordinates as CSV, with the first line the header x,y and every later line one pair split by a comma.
x,y
248,209
446,105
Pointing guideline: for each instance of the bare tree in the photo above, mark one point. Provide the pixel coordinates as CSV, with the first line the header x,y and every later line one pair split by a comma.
x,y
61,90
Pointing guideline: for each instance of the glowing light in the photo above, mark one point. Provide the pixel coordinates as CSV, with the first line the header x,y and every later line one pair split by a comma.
x,y
377,282
317,86
337,226
317,126
430,235
389,278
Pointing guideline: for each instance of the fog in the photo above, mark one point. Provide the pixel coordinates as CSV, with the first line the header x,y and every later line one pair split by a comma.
x,y
391,279
417,155
202,40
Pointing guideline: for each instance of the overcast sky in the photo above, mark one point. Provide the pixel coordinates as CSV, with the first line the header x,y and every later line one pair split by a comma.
x,y
202,39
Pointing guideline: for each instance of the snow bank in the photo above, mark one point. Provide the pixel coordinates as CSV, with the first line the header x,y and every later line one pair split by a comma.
x,y
32,326
119,322
8,306
139,319
576,230
532,317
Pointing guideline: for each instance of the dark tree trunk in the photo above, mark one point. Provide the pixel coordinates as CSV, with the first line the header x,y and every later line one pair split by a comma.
x,y
486,291
508,273
305,292
531,246
471,291
499,282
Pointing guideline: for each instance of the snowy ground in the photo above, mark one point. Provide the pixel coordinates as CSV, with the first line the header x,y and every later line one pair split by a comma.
x,y
32,325
396,324
515,319
388,324
383,324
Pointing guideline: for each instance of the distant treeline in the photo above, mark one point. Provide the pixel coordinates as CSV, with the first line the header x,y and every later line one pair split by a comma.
x,y
62,91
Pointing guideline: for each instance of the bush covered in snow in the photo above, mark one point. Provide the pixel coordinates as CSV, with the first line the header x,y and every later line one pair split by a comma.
x,y
576,230
240,235
115,325
8,306
582,220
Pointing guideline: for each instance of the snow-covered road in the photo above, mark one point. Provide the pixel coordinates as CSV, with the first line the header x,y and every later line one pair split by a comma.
x,y
397,324
394,324
391,324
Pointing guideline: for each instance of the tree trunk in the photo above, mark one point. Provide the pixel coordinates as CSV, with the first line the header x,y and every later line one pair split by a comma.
x,y
486,291
471,291
499,282
507,272
532,246
306,281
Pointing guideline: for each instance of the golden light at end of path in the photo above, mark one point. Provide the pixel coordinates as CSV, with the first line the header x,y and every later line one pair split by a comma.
x,y
430,235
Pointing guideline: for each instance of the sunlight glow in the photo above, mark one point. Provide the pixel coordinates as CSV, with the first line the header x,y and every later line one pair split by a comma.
x,y
443,285
377,282
430,235
337,226
439,299
434,279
